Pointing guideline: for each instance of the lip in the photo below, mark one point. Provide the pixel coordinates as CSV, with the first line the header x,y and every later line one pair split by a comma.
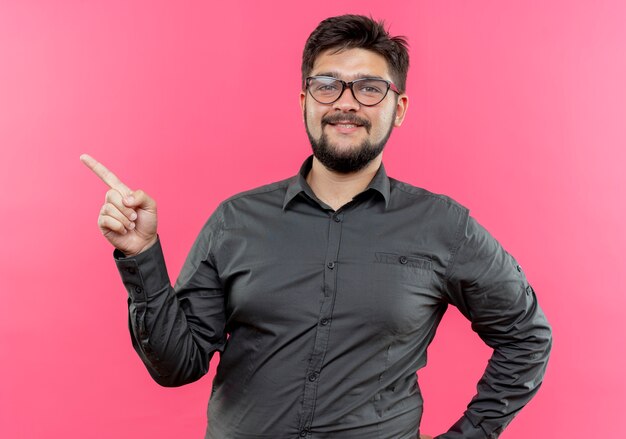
x,y
345,127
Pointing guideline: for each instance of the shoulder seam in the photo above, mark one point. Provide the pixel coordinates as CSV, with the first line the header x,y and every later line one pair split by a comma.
x,y
458,240
426,193
271,187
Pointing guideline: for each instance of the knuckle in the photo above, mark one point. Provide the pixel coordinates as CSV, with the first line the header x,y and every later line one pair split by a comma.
x,y
108,209
108,224
116,226
112,195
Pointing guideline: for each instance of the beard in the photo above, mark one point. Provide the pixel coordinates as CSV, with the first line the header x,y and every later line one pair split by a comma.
x,y
350,160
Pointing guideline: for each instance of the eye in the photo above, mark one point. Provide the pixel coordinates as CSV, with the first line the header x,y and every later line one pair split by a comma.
x,y
371,87
327,87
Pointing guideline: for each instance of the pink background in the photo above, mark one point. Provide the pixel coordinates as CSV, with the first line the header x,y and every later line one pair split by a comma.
x,y
517,111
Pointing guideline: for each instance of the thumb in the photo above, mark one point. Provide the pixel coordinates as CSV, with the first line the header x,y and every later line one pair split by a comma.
x,y
140,200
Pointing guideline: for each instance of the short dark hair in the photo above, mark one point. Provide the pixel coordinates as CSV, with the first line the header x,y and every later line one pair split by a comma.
x,y
357,31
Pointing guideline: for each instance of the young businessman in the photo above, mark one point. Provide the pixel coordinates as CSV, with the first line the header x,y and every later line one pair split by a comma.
x,y
322,291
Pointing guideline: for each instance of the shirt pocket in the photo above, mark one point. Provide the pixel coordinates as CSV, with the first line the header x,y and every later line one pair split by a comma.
x,y
406,297
416,270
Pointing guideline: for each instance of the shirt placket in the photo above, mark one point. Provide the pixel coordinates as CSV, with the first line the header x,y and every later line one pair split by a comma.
x,y
313,373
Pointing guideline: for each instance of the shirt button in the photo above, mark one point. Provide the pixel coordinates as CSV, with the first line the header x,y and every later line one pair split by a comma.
x,y
138,290
313,377
325,321
337,219
403,260
331,265
303,433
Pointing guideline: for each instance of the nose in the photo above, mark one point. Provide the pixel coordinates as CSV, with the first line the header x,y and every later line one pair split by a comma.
x,y
346,101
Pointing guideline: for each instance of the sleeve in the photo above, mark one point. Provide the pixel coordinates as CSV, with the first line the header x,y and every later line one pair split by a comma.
x,y
489,287
175,331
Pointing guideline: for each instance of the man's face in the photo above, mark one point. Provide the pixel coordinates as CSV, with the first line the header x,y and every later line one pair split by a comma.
x,y
346,135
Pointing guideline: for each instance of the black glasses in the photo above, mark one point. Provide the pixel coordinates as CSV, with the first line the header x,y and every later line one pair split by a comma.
x,y
366,91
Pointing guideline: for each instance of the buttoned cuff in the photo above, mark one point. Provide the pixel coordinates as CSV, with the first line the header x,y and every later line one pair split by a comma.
x,y
144,275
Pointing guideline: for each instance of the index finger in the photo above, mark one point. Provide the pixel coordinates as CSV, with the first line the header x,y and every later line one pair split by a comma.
x,y
109,178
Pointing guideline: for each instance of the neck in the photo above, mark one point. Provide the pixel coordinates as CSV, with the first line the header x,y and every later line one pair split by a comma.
x,y
336,189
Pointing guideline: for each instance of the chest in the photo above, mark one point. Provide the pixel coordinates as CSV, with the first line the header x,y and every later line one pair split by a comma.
x,y
371,272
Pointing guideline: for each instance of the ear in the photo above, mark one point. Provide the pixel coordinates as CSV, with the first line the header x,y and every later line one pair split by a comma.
x,y
401,108
302,102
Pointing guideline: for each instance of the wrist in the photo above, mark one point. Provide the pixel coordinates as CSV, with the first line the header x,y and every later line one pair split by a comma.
x,y
149,244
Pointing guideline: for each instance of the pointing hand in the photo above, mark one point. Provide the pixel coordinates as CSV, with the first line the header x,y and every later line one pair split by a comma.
x,y
128,219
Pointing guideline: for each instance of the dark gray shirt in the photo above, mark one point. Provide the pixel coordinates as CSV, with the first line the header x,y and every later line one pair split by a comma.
x,y
323,317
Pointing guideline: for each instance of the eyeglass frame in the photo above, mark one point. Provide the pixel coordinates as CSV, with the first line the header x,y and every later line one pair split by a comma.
x,y
390,86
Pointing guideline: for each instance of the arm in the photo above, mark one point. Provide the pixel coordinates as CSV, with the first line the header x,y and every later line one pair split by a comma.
x,y
491,290
174,331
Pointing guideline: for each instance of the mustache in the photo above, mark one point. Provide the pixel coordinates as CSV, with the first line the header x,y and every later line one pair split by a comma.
x,y
346,118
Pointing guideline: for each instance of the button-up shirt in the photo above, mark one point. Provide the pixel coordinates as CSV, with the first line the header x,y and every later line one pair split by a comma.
x,y
322,318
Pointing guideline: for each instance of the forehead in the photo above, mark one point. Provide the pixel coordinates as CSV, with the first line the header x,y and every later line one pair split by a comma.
x,y
351,64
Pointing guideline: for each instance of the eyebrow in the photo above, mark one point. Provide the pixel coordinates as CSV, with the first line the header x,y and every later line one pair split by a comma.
x,y
355,76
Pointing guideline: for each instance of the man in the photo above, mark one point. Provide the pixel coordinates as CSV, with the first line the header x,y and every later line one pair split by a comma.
x,y
322,292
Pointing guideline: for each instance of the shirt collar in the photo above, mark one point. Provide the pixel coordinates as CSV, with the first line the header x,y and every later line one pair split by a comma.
x,y
380,183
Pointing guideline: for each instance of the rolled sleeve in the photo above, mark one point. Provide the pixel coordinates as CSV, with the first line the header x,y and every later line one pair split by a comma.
x,y
489,287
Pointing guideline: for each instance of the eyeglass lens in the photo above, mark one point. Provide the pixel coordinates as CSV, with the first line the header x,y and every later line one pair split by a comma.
x,y
366,91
